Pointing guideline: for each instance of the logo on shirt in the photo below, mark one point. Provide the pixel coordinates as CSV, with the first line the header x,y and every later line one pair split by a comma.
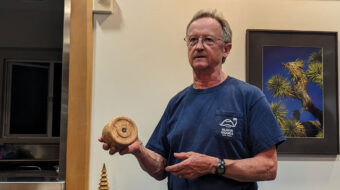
x,y
228,124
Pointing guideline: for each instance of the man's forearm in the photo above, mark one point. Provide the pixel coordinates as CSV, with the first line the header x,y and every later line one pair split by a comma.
x,y
259,168
151,162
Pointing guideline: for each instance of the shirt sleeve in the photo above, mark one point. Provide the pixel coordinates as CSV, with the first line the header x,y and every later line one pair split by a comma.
x,y
264,131
158,141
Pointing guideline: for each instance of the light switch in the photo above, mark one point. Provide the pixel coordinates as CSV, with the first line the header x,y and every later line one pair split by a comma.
x,y
103,6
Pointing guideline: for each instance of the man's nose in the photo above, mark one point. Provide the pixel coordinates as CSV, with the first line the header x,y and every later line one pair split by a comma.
x,y
199,44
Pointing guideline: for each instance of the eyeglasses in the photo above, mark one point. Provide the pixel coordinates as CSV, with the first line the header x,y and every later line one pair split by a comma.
x,y
206,40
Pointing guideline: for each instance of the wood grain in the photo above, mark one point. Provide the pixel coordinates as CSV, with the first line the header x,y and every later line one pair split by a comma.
x,y
79,98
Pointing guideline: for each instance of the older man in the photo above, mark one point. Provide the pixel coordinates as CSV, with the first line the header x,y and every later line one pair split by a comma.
x,y
218,133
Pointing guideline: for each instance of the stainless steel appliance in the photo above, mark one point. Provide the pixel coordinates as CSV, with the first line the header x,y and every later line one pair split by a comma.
x,y
33,132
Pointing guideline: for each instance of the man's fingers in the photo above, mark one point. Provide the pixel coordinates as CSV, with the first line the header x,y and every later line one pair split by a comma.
x,y
182,155
179,172
121,150
124,150
174,168
168,168
112,150
106,146
180,165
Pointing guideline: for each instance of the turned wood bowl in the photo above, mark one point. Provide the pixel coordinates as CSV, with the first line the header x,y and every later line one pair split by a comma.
x,y
121,131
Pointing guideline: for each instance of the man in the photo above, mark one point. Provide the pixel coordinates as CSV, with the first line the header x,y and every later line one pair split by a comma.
x,y
218,133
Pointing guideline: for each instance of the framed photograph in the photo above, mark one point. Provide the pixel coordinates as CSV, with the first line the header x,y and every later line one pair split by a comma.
x,y
297,72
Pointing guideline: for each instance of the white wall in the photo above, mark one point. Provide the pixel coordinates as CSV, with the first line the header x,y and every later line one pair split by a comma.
x,y
140,63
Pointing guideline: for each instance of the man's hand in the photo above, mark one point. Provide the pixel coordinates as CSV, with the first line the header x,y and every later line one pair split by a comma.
x,y
132,148
150,161
193,165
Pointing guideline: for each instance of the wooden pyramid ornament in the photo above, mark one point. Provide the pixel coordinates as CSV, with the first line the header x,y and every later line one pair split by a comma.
x,y
103,185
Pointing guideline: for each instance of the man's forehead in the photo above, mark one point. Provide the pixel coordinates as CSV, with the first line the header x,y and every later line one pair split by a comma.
x,y
205,24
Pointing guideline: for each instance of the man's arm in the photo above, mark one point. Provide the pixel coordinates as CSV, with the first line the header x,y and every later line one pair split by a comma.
x,y
149,161
261,167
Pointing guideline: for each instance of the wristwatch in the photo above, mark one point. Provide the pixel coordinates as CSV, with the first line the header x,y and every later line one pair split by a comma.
x,y
220,168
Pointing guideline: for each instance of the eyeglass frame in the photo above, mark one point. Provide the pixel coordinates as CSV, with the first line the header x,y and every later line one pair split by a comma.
x,y
204,40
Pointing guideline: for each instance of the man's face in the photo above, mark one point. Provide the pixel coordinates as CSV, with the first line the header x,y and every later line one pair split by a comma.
x,y
202,56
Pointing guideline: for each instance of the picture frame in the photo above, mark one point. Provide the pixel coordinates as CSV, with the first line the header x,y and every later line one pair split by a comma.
x,y
298,73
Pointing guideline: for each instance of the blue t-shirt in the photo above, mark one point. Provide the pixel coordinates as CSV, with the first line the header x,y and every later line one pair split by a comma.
x,y
232,120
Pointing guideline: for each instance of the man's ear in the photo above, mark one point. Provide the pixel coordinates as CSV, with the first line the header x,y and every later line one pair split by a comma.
x,y
227,48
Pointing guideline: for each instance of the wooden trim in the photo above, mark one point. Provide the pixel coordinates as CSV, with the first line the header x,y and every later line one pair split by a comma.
x,y
79,98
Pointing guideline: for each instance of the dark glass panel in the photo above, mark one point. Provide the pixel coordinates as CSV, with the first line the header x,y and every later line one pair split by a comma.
x,y
29,100
56,100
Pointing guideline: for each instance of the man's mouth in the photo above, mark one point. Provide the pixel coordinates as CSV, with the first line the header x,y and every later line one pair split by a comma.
x,y
199,56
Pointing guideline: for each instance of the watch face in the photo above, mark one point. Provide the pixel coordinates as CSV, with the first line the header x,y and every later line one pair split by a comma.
x,y
220,169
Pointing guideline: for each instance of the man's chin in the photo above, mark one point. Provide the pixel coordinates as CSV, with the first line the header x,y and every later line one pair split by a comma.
x,y
199,67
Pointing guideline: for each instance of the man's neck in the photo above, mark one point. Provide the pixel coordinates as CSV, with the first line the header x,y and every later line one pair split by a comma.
x,y
204,80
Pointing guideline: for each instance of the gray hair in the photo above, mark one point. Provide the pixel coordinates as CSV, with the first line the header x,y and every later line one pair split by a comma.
x,y
226,30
